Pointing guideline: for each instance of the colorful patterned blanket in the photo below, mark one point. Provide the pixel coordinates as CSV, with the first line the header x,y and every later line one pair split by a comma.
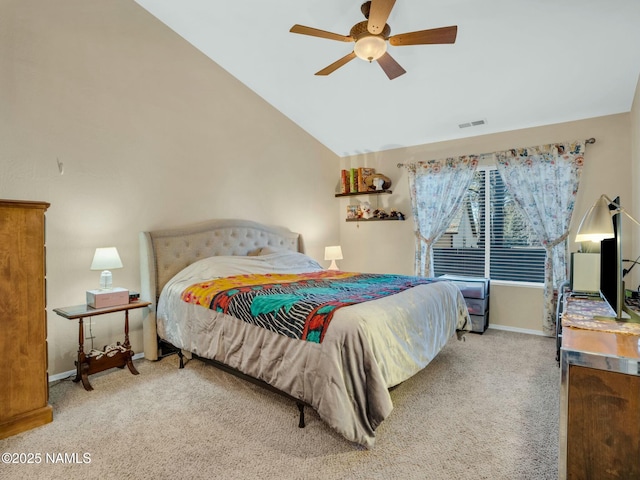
x,y
295,305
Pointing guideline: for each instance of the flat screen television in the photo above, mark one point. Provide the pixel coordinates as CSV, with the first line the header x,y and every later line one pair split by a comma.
x,y
611,266
611,272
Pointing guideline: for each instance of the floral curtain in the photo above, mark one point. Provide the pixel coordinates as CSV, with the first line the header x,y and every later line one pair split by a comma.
x,y
437,188
544,182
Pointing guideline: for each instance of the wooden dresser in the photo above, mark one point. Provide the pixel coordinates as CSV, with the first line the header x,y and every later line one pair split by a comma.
x,y
24,388
600,394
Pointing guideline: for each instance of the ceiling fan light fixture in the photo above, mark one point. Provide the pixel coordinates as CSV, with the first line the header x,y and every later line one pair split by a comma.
x,y
370,47
371,37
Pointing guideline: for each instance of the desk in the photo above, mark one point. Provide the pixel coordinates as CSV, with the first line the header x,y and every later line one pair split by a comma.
x,y
600,394
87,364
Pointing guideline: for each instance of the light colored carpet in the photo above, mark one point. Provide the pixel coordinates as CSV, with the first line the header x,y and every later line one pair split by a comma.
x,y
486,408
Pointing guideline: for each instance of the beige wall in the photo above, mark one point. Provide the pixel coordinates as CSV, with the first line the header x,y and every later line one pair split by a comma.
x,y
389,246
151,134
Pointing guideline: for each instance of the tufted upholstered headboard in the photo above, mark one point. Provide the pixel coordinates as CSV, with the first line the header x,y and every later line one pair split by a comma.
x,y
163,253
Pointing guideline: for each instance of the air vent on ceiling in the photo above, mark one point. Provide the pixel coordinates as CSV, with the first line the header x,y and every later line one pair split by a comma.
x,y
475,123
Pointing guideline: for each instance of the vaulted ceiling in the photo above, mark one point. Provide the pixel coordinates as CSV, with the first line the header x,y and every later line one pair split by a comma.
x,y
515,64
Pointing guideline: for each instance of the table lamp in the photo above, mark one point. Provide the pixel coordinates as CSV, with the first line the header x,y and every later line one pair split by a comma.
x,y
333,253
602,222
105,259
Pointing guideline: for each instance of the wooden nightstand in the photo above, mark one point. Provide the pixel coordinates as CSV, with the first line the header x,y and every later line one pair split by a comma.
x,y
87,364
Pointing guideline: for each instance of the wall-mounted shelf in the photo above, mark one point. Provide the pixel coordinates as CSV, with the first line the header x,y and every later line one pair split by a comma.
x,y
374,219
371,192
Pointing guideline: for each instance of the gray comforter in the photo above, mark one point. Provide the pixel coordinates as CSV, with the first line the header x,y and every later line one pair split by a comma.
x,y
368,348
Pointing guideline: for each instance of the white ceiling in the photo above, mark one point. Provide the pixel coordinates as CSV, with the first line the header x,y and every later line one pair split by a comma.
x,y
515,64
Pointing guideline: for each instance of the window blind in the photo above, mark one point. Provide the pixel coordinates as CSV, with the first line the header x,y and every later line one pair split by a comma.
x,y
490,236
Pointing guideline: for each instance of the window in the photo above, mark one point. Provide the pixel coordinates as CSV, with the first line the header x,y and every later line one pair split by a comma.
x,y
490,236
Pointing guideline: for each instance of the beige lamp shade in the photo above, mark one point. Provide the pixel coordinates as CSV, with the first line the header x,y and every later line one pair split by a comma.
x,y
105,259
333,253
597,224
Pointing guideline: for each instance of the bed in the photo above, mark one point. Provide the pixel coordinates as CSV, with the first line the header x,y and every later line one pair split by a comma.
x,y
342,369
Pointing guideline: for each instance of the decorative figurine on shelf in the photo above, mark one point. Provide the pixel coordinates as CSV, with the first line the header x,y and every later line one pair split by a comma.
x,y
381,213
365,208
396,214
377,181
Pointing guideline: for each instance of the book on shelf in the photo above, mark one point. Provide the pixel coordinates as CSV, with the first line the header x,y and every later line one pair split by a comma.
x,y
353,180
344,182
353,211
363,173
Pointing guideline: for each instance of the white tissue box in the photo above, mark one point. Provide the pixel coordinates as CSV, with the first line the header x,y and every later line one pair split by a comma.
x,y
107,298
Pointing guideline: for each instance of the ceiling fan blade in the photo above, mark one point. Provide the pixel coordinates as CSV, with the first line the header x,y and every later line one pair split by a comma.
x,y
425,37
378,15
314,32
390,66
337,64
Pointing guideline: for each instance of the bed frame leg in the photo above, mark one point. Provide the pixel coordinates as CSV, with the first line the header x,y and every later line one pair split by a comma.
x,y
301,408
181,356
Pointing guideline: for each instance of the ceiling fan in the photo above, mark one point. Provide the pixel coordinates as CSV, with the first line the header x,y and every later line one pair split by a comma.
x,y
371,37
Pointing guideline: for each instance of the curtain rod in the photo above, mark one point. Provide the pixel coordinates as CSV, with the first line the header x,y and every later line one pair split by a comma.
x,y
587,141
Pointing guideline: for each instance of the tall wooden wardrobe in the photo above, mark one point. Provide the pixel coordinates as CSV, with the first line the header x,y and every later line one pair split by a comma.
x,y
24,388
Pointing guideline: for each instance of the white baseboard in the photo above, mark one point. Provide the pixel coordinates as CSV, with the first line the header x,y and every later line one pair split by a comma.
x,y
70,373
518,330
